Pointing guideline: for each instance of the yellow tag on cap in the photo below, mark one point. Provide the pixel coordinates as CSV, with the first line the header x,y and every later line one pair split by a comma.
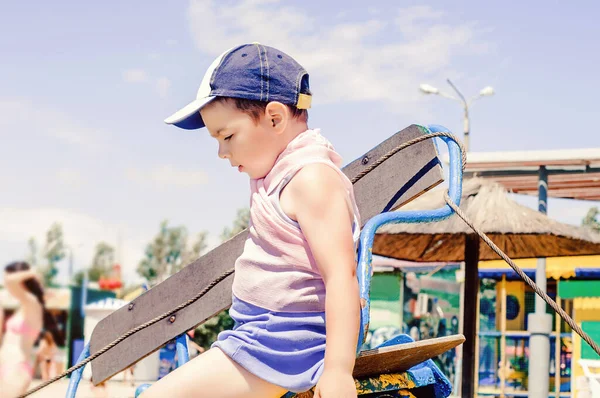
x,y
304,101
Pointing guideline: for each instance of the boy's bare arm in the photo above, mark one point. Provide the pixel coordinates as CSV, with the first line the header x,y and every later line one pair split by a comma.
x,y
317,198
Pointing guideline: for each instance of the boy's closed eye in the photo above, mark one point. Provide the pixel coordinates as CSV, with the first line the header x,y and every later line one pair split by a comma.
x,y
228,137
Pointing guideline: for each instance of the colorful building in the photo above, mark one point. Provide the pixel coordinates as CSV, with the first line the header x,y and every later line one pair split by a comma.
x,y
574,283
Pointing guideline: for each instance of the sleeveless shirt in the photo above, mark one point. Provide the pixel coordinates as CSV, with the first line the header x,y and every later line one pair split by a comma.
x,y
277,270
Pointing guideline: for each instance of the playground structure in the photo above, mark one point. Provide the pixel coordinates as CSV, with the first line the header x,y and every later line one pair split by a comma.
x,y
390,175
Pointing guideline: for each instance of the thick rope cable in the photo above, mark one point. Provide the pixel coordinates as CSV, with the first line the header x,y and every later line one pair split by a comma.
x,y
131,332
408,143
523,276
359,176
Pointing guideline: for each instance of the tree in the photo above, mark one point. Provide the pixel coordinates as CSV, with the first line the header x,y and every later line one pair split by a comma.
x,y
32,256
168,253
239,224
54,251
101,266
591,219
195,250
207,333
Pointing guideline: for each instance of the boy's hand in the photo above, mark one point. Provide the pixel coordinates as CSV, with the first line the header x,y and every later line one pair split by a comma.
x,y
335,384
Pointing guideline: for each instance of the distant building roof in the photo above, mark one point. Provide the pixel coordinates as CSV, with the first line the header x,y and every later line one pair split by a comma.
x,y
572,173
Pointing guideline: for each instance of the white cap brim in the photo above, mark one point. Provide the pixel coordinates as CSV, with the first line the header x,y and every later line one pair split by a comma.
x,y
189,117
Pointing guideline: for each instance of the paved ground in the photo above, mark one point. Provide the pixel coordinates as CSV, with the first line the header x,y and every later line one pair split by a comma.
x,y
113,389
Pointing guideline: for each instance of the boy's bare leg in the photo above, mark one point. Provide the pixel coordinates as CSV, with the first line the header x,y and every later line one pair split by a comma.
x,y
212,374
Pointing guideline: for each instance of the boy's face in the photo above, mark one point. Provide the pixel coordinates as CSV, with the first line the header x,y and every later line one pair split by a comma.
x,y
249,146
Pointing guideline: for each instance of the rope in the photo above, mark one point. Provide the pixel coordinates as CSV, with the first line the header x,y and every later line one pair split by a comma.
x,y
405,145
131,332
385,157
523,276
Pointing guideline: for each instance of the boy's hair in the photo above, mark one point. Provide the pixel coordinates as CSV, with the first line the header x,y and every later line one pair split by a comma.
x,y
255,109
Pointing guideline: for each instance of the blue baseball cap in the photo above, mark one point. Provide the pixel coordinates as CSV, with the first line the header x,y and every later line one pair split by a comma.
x,y
250,71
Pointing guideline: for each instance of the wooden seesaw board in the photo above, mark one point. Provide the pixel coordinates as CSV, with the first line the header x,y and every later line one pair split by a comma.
x,y
400,179
383,367
401,357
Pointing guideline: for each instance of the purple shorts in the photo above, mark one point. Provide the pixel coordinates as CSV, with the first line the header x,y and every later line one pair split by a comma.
x,y
284,348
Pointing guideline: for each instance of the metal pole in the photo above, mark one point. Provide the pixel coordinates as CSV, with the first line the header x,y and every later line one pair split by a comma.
x,y
557,346
477,341
540,323
503,366
470,368
466,126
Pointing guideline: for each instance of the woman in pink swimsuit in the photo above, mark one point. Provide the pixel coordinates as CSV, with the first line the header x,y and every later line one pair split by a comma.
x,y
22,329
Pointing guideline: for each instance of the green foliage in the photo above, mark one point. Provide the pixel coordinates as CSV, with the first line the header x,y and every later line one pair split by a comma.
x,y
239,224
196,249
54,251
102,263
168,253
207,333
591,219
32,256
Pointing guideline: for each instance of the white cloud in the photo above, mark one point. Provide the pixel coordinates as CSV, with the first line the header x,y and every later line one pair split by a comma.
x,y
162,86
167,175
81,232
382,58
70,177
135,76
16,113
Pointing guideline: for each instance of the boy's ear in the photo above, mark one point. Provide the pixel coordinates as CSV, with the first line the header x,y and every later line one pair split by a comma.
x,y
277,115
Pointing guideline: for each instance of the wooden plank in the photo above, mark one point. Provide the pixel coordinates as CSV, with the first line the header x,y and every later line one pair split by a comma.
x,y
388,186
401,357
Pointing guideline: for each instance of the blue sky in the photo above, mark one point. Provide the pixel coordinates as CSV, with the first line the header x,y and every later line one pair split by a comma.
x,y
85,88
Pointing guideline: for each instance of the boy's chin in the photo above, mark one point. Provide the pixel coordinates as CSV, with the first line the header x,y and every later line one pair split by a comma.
x,y
255,176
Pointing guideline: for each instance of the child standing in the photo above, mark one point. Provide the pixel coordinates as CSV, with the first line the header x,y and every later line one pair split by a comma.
x,y
295,293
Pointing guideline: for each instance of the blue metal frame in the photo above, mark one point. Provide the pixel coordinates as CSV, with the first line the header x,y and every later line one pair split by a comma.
x,y
365,255
76,375
365,250
182,357
181,347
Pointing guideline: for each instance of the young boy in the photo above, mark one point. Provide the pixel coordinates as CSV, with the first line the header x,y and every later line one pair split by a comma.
x,y
295,294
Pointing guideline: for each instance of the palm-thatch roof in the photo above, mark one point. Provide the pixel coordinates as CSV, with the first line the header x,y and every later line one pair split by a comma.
x,y
519,231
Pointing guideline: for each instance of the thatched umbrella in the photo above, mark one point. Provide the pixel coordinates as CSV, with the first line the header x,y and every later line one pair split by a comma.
x,y
519,231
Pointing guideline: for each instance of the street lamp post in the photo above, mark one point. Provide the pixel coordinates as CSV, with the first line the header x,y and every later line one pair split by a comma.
x,y
464,368
486,91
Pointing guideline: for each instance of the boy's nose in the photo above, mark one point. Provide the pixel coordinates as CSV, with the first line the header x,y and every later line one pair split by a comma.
x,y
223,153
